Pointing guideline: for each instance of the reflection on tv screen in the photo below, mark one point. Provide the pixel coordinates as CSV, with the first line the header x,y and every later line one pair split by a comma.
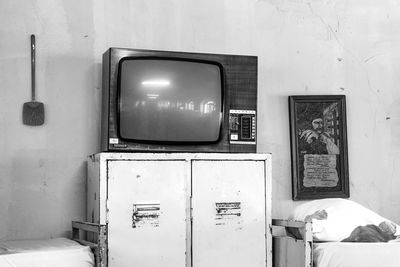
x,y
170,100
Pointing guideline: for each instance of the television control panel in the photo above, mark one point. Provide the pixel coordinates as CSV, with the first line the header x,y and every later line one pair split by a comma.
x,y
242,127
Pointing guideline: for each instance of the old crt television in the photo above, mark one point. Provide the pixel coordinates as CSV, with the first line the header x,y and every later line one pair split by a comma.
x,y
161,101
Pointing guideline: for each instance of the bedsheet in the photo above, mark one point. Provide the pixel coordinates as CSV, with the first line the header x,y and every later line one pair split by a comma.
x,y
60,252
343,254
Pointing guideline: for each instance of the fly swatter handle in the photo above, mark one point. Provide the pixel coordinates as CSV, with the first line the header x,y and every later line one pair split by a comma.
x,y
33,72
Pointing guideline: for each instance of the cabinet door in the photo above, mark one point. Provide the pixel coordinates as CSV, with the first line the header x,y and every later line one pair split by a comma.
x,y
228,202
147,213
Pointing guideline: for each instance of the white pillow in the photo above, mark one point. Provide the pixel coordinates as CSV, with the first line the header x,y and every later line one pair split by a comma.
x,y
335,218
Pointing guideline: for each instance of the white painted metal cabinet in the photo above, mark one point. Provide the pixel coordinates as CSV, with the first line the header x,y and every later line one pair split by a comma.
x,y
146,213
184,209
228,209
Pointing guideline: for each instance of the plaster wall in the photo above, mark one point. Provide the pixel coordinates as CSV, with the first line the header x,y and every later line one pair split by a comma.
x,y
303,46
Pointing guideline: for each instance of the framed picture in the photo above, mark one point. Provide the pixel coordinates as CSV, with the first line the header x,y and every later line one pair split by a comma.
x,y
318,138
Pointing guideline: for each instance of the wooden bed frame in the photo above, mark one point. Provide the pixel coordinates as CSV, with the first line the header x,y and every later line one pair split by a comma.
x,y
94,236
289,251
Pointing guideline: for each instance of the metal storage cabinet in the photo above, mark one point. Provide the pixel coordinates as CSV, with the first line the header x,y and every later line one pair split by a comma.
x,y
183,209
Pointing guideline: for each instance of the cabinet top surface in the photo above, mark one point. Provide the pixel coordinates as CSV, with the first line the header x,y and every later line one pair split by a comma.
x,y
182,156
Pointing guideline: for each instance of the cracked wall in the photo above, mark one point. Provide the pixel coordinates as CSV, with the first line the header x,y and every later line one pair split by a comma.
x,y
304,47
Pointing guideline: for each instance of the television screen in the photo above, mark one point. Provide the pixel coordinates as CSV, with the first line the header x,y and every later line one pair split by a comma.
x,y
169,100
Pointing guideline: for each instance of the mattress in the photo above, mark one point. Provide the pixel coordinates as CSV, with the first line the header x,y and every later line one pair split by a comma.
x,y
340,254
60,252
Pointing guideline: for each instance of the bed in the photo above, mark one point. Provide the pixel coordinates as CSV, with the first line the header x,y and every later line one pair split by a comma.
x,y
347,235
87,248
93,236
60,252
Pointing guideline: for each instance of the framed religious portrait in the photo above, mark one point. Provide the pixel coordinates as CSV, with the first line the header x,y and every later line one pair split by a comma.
x,y
318,138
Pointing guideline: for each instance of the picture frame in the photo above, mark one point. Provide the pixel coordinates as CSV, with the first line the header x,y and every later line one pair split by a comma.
x,y
318,141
